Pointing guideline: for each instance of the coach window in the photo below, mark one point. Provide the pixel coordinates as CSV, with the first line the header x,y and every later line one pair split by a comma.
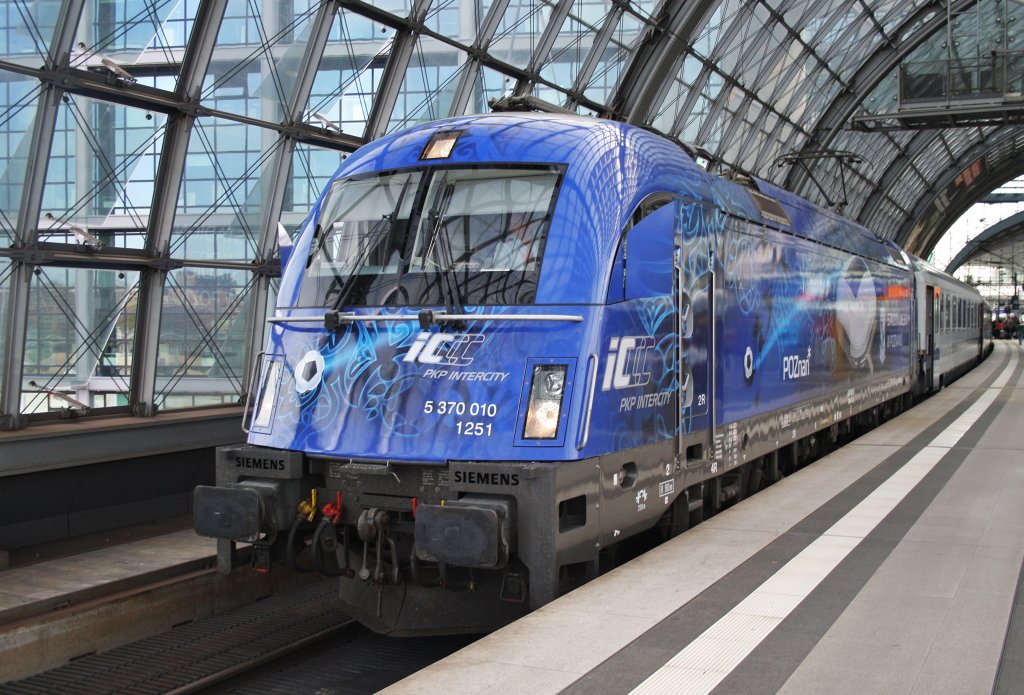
x,y
644,261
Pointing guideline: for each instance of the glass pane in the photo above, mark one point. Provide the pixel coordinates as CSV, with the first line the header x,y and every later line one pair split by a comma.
x,y
203,337
744,40
220,203
255,63
790,93
79,335
130,32
480,237
935,156
444,18
892,13
312,167
490,84
771,146
101,174
521,25
26,29
763,74
690,130
714,130
667,112
803,16
691,73
614,57
429,84
710,37
18,99
349,73
399,8
749,138
574,41
550,95
850,46
826,30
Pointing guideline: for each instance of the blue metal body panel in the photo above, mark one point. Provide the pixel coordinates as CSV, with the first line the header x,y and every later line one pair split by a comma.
x,y
789,318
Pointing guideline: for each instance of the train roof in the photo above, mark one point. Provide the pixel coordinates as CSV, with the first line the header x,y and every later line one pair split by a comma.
x,y
604,156
513,137
922,266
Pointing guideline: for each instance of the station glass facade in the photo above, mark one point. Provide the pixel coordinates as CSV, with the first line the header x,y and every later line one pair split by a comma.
x,y
148,148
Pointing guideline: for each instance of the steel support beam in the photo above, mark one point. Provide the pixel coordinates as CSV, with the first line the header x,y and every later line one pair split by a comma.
x,y
394,73
14,345
593,58
21,271
178,129
914,31
277,183
484,36
525,84
16,323
643,83
64,33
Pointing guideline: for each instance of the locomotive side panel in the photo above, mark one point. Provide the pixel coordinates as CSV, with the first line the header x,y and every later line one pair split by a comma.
x,y
802,320
803,328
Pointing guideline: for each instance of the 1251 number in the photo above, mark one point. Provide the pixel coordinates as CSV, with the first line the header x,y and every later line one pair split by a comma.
x,y
474,429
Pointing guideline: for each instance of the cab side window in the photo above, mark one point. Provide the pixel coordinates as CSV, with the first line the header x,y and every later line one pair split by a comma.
x,y
643,264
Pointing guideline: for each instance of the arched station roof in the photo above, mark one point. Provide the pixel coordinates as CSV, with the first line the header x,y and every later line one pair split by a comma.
x,y
999,246
152,146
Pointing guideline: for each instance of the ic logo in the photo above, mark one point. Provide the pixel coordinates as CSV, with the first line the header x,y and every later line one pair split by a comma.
x,y
627,362
451,349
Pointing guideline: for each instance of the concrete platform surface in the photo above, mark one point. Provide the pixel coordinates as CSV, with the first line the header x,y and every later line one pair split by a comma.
x,y
890,566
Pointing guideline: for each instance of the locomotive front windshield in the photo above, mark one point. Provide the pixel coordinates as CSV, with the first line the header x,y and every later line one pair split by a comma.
x,y
438,236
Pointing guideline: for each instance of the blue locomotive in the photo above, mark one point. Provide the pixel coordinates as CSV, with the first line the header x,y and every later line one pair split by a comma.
x,y
506,343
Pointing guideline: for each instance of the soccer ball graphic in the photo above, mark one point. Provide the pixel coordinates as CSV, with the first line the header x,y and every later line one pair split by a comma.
x,y
309,371
856,308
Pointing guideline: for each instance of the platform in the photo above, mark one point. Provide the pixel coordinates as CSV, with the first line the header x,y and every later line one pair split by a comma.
x,y
890,566
61,608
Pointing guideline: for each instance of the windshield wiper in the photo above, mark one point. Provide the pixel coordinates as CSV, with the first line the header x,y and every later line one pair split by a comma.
x,y
392,219
444,257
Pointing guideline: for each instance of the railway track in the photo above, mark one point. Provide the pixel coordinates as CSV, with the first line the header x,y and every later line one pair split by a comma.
x,y
224,653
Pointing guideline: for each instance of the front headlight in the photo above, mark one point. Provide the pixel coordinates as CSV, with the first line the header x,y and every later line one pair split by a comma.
x,y
547,387
268,395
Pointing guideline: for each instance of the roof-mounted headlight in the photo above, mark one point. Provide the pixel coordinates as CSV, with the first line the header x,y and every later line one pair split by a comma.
x,y
440,144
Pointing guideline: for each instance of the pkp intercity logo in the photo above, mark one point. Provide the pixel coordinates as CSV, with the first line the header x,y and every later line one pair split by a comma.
x,y
626,366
